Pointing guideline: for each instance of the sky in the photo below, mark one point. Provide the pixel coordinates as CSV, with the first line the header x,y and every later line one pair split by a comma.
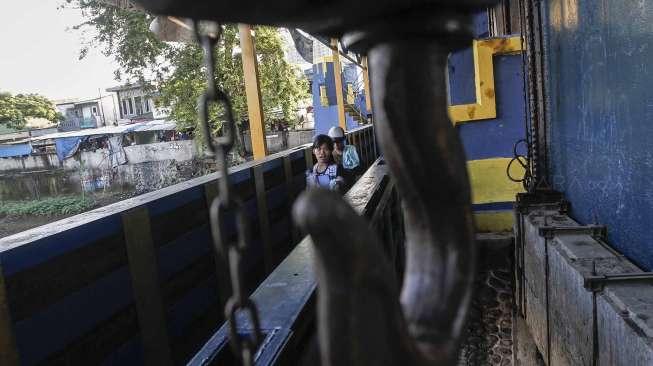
x,y
39,52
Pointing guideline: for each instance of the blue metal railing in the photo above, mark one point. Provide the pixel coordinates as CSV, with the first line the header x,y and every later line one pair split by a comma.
x,y
286,298
144,265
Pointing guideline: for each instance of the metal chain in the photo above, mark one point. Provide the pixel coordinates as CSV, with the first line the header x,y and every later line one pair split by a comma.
x,y
218,148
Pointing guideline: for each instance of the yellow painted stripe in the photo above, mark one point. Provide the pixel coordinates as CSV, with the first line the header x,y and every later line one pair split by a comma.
x,y
494,221
325,59
489,180
485,106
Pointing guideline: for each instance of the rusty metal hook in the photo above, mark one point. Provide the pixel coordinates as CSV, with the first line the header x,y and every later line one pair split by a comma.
x,y
362,318
426,158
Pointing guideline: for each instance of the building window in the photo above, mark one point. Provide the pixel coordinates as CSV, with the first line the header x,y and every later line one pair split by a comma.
x,y
94,109
147,105
139,105
131,107
124,107
324,98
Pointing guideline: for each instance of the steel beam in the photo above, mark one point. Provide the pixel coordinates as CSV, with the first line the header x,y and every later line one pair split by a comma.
x,y
253,92
366,85
337,75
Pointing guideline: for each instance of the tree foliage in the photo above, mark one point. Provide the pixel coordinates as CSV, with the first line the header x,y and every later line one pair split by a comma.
x,y
177,69
16,109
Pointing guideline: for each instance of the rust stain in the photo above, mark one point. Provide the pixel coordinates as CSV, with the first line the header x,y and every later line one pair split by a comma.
x,y
500,45
489,93
471,110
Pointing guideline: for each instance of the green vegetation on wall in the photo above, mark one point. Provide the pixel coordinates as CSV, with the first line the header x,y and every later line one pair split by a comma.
x,y
51,206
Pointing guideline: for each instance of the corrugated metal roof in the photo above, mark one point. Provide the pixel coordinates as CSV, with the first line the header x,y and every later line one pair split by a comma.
x,y
155,125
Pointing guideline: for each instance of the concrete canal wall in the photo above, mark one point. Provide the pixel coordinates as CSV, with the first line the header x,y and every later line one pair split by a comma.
x,y
148,167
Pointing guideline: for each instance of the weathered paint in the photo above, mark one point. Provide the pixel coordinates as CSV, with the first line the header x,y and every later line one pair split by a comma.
x,y
484,106
337,77
366,84
600,108
149,166
325,109
570,324
253,92
624,316
486,87
492,221
146,284
495,137
489,182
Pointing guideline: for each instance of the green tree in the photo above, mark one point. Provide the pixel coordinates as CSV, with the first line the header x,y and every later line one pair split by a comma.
x,y
15,109
177,68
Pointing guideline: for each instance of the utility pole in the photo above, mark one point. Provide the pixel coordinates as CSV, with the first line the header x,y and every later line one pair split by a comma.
x,y
104,120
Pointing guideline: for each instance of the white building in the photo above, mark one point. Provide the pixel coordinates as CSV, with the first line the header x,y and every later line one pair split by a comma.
x,y
82,113
135,104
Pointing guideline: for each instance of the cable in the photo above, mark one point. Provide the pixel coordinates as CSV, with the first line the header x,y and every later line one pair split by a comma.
x,y
527,179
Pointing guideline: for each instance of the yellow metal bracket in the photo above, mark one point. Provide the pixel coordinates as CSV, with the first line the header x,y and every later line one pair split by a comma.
x,y
485,106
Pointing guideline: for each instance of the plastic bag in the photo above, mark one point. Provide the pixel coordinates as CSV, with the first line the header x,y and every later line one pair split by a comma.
x,y
350,158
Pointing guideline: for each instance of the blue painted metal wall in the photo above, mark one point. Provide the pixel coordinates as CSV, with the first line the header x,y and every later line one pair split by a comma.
x,y
489,143
327,116
490,138
600,116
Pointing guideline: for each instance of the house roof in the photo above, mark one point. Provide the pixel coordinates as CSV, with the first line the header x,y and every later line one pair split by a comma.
x,y
155,125
82,100
124,87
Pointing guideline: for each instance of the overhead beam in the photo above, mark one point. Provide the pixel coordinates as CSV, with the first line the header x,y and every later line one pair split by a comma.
x,y
343,54
253,92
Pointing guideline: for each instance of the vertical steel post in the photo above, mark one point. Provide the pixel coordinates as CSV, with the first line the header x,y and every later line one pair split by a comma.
x,y
253,92
337,75
8,351
366,84
148,299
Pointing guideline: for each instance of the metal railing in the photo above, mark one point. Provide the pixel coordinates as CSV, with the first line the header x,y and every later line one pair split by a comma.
x,y
351,92
144,266
286,298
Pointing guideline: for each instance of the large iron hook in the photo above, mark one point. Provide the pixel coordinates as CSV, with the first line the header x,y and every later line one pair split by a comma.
x,y
362,318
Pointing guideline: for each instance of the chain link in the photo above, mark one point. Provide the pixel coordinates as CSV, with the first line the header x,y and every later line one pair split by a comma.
x,y
244,347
